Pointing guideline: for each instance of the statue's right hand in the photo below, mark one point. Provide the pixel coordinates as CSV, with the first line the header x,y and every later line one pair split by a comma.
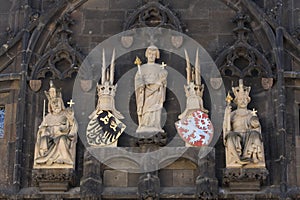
x,y
228,109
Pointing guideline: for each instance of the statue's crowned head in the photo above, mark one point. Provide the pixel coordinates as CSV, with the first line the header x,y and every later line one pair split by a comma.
x,y
55,102
152,53
53,92
241,94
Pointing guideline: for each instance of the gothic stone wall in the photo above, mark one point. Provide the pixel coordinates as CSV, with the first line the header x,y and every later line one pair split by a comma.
x,y
209,22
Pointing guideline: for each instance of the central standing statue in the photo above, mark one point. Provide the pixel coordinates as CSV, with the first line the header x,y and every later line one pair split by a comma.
x,y
150,92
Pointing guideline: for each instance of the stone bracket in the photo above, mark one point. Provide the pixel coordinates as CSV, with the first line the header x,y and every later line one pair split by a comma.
x,y
53,180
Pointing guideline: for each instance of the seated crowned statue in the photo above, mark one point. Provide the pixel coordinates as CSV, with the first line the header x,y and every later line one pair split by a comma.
x,y
242,132
57,135
150,91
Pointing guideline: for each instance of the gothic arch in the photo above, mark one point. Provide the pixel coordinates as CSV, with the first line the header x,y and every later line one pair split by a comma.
x,y
62,51
241,59
50,44
153,14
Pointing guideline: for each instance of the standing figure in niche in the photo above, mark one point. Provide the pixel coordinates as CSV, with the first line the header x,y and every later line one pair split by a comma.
x,y
57,135
242,132
150,91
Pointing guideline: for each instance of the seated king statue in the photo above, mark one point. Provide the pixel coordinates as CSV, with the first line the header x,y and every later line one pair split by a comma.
x,y
57,135
242,132
150,92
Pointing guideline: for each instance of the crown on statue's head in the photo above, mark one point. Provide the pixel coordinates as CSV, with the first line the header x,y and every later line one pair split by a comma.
x,y
241,91
53,92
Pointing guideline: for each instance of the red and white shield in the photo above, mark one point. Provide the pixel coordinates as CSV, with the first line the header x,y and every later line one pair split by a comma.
x,y
196,129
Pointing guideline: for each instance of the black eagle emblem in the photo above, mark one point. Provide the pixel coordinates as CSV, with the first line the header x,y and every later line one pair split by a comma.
x,y
104,129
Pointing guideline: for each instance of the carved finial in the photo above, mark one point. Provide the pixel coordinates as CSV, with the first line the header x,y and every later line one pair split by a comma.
x,y
188,67
197,69
103,78
112,67
228,98
137,61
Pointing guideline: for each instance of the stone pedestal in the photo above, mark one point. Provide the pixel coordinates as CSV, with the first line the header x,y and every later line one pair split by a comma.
x,y
244,179
146,138
53,180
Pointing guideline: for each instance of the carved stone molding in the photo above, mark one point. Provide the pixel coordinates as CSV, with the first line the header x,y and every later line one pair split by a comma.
x,y
153,14
241,59
149,187
61,59
244,179
53,179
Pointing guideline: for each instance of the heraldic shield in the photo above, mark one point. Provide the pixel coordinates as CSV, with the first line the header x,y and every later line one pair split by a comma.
x,y
196,129
104,129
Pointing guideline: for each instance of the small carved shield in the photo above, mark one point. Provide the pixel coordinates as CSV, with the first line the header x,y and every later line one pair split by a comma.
x,y
127,41
177,41
86,85
35,85
267,83
196,129
216,83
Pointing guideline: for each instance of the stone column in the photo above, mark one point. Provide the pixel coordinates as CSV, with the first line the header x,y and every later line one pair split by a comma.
x,y
206,182
91,181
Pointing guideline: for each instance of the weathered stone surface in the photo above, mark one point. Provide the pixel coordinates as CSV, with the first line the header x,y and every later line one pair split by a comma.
x,y
195,13
197,26
114,178
178,4
183,178
97,4
111,27
92,27
5,6
100,14
166,178
120,4
244,186
221,24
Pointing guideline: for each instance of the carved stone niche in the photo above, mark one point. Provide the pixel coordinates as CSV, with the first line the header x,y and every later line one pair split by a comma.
x,y
53,180
244,179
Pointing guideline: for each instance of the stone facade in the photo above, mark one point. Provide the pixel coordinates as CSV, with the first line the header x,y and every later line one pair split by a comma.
x,y
258,41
